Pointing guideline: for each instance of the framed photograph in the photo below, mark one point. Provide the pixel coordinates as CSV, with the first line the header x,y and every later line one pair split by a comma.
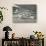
x,y
25,13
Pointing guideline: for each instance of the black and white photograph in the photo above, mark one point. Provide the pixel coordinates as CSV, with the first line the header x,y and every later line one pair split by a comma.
x,y
24,13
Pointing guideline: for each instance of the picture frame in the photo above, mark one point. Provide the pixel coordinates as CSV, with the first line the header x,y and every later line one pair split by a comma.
x,y
25,13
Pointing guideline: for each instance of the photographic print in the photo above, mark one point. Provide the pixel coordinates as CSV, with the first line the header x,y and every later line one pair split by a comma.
x,y
24,13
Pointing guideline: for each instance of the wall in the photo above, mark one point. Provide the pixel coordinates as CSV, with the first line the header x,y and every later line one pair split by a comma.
x,y
23,29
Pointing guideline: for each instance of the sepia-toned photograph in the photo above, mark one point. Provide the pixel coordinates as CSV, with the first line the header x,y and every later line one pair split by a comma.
x,y
25,13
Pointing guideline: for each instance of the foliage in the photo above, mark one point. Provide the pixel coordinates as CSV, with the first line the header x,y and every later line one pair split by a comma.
x,y
39,34
1,15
